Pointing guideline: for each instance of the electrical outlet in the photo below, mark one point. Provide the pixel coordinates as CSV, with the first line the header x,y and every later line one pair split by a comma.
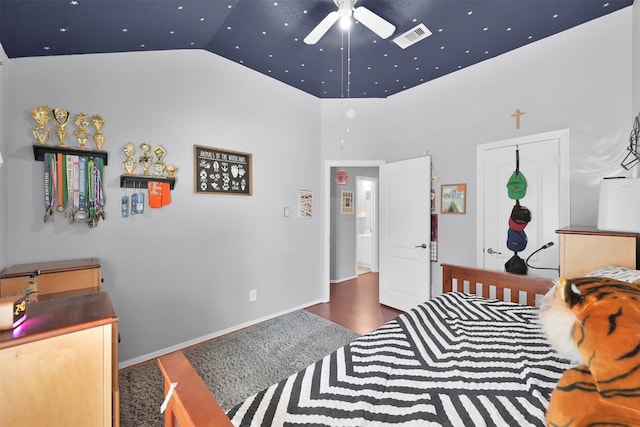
x,y
253,295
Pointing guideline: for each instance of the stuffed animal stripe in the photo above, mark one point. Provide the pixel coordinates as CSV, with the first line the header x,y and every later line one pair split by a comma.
x,y
595,322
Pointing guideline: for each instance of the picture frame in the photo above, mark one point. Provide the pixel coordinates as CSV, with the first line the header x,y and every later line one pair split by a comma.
x,y
305,204
221,171
453,199
347,202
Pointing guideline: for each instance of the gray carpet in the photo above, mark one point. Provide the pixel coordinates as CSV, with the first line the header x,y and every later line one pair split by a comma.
x,y
237,365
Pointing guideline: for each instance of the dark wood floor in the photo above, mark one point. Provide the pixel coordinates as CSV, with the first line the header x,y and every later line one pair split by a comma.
x,y
354,305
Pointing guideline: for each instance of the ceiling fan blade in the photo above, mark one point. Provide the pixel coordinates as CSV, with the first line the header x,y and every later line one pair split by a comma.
x,y
375,23
322,28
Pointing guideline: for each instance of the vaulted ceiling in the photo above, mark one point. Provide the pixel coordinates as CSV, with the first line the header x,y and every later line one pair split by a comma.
x,y
268,35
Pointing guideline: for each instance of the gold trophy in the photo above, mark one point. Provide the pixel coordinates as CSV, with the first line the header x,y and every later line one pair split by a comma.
x,y
61,116
145,160
98,137
172,170
159,165
41,115
82,122
129,164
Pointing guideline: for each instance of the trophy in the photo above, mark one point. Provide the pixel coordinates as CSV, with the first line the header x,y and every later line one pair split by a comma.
x,y
61,116
98,137
41,115
159,165
129,164
172,170
145,160
82,122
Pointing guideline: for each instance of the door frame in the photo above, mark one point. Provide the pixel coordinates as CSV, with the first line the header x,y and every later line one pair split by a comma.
x,y
564,179
326,180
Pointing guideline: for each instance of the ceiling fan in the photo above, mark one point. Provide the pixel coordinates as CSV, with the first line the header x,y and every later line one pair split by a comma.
x,y
375,23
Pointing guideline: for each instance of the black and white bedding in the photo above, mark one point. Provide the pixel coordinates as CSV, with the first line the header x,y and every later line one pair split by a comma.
x,y
456,360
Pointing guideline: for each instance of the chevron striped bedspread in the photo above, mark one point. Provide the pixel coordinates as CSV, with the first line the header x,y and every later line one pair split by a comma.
x,y
457,360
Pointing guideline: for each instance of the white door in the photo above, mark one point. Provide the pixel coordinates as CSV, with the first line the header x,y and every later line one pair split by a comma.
x,y
544,163
405,230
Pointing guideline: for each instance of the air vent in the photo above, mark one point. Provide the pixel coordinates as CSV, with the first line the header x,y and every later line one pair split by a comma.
x,y
412,36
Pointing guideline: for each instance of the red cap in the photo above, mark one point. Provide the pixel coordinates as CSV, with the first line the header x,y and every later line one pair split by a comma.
x,y
515,226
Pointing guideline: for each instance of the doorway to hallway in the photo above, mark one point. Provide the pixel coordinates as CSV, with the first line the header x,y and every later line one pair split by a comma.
x,y
340,237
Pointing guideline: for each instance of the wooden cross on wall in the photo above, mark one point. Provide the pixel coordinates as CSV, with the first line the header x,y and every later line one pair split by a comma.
x,y
517,115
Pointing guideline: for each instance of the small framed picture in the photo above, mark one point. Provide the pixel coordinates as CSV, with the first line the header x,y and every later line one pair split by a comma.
x,y
346,202
305,204
453,199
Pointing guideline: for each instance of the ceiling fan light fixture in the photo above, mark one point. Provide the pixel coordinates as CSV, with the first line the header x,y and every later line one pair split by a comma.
x,y
372,21
345,23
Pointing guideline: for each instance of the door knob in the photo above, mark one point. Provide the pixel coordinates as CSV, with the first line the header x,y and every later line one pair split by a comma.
x,y
423,246
491,251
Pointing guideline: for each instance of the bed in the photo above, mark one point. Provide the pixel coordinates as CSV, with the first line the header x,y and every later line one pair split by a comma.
x,y
467,357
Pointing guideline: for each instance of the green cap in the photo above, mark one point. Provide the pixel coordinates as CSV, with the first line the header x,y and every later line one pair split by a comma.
x,y
517,186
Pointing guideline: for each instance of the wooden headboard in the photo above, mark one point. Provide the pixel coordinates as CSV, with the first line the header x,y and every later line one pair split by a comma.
x,y
193,405
481,282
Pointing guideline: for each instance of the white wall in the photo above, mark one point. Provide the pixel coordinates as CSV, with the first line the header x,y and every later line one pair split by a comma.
x,y
183,271
579,79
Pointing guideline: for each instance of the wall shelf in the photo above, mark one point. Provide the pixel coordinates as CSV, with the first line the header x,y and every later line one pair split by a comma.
x,y
141,181
40,149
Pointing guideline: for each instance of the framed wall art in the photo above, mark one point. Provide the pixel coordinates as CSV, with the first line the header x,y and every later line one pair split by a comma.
x,y
453,199
219,171
346,202
305,204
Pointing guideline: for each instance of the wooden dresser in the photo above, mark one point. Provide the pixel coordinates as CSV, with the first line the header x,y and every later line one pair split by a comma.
x,y
60,367
584,249
56,279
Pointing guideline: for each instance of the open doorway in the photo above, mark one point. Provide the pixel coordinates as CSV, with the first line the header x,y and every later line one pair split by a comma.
x,y
353,208
340,249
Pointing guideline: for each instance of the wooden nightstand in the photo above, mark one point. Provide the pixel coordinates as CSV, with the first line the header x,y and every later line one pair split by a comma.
x,y
584,249
56,279
60,367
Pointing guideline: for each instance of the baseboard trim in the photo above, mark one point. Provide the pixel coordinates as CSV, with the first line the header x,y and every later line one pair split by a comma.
x,y
149,356
344,279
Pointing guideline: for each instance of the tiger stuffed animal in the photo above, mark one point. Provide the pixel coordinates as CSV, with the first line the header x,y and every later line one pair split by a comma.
x,y
595,322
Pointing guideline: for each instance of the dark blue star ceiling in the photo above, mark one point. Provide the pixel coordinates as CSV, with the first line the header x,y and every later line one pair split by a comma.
x,y
267,35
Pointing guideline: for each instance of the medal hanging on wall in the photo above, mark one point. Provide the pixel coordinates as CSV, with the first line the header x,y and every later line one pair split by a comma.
x,y
60,182
95,195
82,213
69,184
101,198
137,203
49,185
134,203
92,190
124,206
140,202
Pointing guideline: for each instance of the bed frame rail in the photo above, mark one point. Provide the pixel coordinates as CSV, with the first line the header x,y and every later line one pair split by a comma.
x,y
191,404
481,282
